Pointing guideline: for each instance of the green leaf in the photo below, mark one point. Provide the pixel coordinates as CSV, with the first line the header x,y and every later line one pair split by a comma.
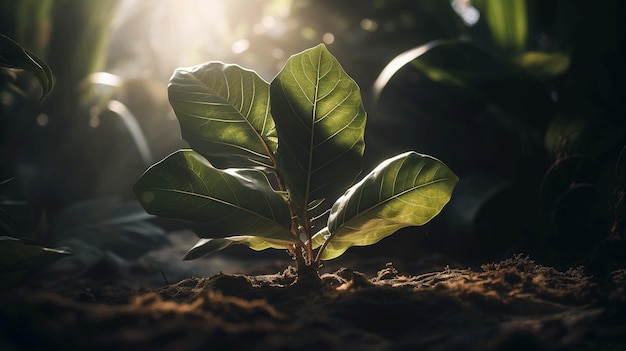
x,y
543,65
222,203
224,112
455,63
461,64
12,55
406,190
508,22
18,257
315,204
320,237
210,245
320,120
580,135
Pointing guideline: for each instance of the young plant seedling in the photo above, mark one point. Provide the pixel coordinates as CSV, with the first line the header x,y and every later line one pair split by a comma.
x,y
266,156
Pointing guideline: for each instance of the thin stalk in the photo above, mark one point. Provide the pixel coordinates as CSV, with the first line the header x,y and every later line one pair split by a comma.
x,y
309,242
301,260
318,257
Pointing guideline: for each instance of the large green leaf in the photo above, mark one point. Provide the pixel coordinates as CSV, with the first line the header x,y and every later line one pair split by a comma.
x,y
12,55
454,63
222,203
461,64
211,245
18,257
320,120
224,112
406,190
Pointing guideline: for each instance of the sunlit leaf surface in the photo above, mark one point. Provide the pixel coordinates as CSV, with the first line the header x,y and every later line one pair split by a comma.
x,y
222,203
210,245
543,65
320,120
406,190
224,112
507,21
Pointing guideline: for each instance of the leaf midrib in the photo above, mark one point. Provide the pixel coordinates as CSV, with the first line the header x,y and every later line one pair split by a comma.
x,y
367,210
223,202
259,135
312,137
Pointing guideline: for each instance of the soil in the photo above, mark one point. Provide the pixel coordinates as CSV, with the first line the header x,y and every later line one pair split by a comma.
x,y
515,304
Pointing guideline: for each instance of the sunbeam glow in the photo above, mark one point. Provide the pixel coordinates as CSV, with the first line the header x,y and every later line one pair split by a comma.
x,y
154,37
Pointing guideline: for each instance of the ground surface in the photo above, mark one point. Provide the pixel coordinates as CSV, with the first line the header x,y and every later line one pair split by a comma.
x,y
511,305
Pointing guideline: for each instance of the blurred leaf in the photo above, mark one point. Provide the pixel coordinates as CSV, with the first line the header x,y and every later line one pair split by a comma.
x,y
224,203
110,224
481,208
208,246
543,65
12,55
464,65
579,135
18,257
406,190
224,111
562,133
96,213
578,220
129,240
88,26
28,22
14,216
508,22
568,170
320,119
454,63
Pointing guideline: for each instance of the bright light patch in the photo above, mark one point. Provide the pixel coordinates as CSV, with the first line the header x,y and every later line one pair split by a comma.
x,y
268,22
328,38
468,13
240,46
278,53
309,33
42,120
369,25
94,117
184,33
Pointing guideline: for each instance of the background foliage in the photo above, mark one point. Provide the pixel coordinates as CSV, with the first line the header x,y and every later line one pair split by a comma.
x,y
535,142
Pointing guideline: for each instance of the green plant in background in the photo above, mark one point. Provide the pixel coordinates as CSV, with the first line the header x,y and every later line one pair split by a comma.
x,y
547,82
267,156
465,64
19,256
14,56
72,37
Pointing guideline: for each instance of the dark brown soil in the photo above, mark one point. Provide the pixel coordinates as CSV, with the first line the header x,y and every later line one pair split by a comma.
x,y
511,305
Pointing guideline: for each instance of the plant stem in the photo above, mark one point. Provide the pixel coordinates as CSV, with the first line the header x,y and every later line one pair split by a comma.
x,y
309,242
318,258
307,258
308,274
